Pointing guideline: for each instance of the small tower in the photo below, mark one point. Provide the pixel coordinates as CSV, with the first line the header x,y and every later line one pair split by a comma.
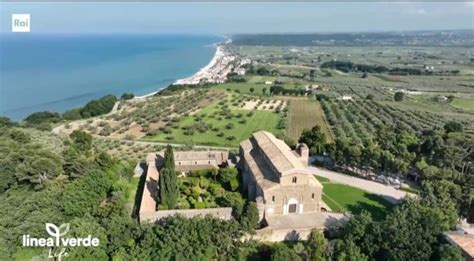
x,y
303,150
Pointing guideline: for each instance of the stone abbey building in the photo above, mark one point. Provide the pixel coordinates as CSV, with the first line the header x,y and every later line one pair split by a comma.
x,y
277,178
288,196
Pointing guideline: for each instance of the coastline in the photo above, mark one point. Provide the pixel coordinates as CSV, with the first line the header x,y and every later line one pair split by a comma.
x,y
219,53
202,70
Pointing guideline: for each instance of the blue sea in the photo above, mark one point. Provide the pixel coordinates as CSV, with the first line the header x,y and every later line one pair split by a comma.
x,y
60,72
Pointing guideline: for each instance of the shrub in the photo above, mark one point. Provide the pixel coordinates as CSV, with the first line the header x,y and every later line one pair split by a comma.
x,y
398,96
162,206
234,184
204,183
200,205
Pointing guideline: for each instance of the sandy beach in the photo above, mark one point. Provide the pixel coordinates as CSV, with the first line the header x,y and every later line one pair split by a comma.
x,y
195,77
214,72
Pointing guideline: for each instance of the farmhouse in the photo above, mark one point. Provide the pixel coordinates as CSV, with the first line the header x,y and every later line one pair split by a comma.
x,y
277,178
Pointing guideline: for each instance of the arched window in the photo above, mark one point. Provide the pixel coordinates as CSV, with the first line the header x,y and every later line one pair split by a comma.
x,y
294,180
312,196
273,198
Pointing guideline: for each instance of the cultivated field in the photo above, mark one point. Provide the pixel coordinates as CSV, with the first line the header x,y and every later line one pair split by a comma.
x,y
222,123
466,104
305,114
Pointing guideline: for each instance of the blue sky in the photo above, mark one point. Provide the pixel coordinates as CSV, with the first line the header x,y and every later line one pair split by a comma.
x,y
229,18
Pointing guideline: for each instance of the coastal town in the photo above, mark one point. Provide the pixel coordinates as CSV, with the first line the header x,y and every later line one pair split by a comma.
x,y
218,68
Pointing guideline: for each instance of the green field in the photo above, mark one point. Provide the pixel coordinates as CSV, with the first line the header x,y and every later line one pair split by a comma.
x,y
466,104
305,114
217,132
257,83
244,88
344,198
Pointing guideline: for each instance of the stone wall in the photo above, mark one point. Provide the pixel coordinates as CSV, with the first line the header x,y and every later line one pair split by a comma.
x,y
297,230
150,217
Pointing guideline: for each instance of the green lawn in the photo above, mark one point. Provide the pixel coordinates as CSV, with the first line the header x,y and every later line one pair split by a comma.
x,y
466,104
344,198
219,134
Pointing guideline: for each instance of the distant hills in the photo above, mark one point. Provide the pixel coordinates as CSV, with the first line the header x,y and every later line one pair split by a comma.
x,y
413,38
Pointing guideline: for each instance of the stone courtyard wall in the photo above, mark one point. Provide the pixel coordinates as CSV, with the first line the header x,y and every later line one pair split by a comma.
x,y
296,232
151,217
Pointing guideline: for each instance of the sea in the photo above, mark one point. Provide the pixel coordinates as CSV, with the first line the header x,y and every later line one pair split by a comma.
x,y
51,72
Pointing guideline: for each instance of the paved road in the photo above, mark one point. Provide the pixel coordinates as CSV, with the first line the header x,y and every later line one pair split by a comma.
x,y
389,193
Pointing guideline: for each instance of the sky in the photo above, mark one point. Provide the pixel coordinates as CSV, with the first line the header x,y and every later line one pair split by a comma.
x,y
239,17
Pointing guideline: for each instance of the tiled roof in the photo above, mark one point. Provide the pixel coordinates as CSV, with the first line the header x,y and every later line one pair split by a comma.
x,y
219,156
279,154
150,189
463,241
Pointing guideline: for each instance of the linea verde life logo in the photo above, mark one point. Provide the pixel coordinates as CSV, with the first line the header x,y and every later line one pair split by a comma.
x,y
21,23
58,241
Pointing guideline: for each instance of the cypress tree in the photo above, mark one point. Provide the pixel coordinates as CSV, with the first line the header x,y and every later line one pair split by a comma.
x,y
169,192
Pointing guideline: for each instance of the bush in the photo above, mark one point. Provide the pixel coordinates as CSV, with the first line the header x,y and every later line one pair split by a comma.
x,y
398,96
43,117
234,184
162,206
204,183
98,107
127,96
200,205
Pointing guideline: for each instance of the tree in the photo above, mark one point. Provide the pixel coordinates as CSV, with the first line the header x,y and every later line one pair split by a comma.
x,y
43,117
81,140
38,169
6,122
444,196
127,96
314,138
178,238
250,218
448,252
412,229
316,245
168,183
369,96
98,107
252,89
365,75
281,252
398,96
453,126
227,174
347,250
234,200
264,91
312,73
83,227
